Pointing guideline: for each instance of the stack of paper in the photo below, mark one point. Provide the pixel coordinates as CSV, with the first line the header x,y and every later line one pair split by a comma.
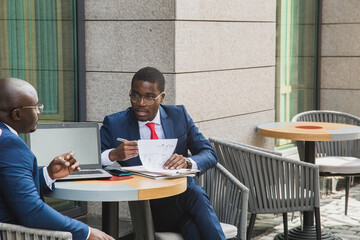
x,y
140,170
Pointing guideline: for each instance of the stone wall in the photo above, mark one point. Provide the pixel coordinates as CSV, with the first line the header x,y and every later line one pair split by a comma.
x,y
218,57
225,66
340,56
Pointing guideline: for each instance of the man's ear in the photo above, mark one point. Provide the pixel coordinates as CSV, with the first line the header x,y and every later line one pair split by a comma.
x,y
15,115
162,97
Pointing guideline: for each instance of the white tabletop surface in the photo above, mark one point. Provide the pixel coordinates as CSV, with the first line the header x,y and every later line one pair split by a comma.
x,y
132,189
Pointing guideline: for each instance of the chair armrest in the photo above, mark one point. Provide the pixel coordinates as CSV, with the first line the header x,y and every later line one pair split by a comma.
x,y
263,149
228,196
13,232
213,140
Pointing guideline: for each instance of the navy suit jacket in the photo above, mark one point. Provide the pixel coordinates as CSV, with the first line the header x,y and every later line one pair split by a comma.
x,y
176,123
21,187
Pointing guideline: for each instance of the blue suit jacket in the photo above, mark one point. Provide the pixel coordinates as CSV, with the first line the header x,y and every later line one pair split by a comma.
x,y
21,186
176,123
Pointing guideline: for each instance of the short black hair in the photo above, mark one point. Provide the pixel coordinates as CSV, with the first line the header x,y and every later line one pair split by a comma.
x,y
150,74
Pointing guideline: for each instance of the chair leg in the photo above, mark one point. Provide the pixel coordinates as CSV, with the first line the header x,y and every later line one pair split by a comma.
x,y
317,223
251,226
347,189
286,231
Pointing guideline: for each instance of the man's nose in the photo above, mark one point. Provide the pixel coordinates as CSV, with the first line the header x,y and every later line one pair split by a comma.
x,y
142,101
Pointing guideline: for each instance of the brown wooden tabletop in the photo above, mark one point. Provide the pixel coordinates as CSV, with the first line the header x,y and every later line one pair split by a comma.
x,y
310,131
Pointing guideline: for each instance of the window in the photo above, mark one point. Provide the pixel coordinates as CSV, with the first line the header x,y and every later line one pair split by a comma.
x,y
38,43
296,58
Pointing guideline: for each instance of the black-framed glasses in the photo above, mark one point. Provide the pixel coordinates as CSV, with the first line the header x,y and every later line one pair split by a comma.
x,y
136,98
39,108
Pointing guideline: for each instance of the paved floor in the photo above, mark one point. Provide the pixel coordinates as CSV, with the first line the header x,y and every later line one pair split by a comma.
x,y
332,217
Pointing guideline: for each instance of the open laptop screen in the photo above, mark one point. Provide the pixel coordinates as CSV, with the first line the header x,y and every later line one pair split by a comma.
x,y
53,139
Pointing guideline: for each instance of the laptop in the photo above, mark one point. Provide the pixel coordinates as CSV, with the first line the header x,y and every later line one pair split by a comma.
x,y
53,139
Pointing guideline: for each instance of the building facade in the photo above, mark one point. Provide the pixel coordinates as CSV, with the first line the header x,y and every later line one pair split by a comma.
x,y
219,58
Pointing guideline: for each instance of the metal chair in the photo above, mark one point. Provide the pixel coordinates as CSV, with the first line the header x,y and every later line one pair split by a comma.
x,y
340,158
16,232
276,184
229,198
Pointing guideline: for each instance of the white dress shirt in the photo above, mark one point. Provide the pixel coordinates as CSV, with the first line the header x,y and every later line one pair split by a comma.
x,y
145,134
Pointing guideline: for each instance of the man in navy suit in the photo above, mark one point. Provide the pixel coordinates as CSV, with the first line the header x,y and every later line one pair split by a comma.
x,y
189,213
21,182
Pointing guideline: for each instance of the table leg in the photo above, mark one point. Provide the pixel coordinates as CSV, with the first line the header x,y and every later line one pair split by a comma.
x,y
310,155
142,220
308,230
110,218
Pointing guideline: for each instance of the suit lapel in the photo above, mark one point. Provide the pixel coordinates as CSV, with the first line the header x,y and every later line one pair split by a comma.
x,y
167,124
133,128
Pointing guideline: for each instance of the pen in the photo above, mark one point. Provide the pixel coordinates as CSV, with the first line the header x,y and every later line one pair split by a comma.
x,y
185,171
121,139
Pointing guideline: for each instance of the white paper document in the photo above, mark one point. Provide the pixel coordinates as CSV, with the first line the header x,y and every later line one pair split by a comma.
x,y
153,155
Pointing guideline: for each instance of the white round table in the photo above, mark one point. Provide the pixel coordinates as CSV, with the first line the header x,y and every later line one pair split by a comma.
x,y
135,189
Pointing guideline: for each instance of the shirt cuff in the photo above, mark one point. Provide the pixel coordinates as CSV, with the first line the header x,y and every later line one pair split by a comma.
x,y
48,180
194,165
105,160
88,234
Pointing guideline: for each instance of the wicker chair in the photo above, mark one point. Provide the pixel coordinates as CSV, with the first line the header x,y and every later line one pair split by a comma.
x,y
17,232
276,184
340,158
229,199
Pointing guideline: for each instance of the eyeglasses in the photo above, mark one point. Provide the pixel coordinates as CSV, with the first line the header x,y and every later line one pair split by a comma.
x,y
136,98
39,108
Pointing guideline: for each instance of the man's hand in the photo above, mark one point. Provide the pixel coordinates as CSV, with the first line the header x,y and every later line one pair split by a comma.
x,y
124,151
176,161
96,234
63,165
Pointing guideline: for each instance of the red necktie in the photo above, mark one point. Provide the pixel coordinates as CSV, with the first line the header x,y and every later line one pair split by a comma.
x,y
152,129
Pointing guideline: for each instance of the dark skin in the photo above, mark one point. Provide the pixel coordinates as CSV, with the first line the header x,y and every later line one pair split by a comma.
x,y
16,93
129,149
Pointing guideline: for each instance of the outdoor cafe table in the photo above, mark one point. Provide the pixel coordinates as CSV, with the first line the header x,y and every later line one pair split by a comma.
x,y
135,189
310,132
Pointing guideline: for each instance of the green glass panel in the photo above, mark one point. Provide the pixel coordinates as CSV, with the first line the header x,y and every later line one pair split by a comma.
x,y
296,57
37,44
47,56
283,107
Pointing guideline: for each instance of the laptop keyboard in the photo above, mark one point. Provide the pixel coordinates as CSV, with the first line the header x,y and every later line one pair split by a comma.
x,y
87,172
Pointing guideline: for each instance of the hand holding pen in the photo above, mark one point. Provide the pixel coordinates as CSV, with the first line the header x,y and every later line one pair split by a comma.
x,y
126,150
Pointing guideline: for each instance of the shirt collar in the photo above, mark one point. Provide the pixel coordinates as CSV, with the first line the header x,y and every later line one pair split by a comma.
x,y
11,129
156,120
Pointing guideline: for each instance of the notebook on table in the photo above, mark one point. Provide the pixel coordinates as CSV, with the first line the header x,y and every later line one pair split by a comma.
x,y
53,139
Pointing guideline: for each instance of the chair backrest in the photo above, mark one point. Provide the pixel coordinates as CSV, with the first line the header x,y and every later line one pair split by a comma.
x,y
228,196
16,232
276,184
339,148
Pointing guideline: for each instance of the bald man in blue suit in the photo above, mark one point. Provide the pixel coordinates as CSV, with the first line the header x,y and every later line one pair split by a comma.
x,y
21,182
189,213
